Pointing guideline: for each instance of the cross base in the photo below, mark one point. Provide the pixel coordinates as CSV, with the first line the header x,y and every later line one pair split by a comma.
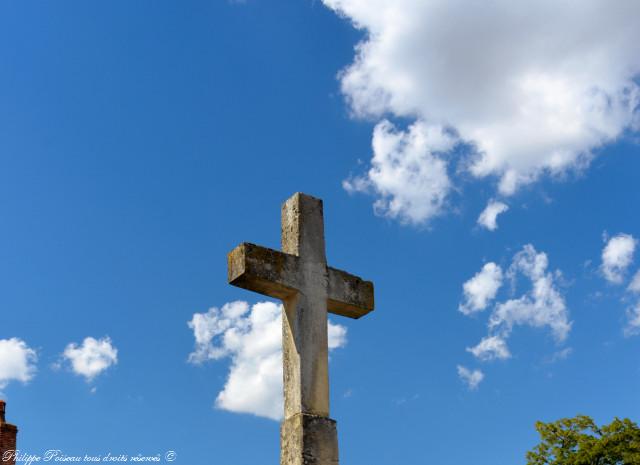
x,y
308,440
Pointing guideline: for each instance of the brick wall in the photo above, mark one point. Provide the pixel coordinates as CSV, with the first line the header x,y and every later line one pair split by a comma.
x,y
8,435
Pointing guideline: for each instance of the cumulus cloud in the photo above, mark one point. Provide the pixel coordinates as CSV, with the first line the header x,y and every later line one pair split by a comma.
x,y
480,290
92,357
617,255
491,348
471,378
488,217
542,305
17,361
252,338
533,88
407,174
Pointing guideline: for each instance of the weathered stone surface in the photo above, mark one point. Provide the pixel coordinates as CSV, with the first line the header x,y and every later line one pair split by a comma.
x,y
304,323
303,228
308,440
267,271
300,277
274,273
349,295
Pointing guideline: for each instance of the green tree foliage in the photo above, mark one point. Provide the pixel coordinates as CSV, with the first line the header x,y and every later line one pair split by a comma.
x,y
579,441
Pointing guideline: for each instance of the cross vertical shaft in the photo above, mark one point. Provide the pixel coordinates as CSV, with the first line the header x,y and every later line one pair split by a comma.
x,y
304,322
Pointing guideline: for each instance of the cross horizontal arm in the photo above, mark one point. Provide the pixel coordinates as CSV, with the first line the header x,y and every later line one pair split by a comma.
x,y
276,274
349,295
263,270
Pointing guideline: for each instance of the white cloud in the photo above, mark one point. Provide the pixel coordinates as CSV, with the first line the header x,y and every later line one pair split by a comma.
x,y
252,339
491,348
17,361
480,290
92,357
216,321
541,306
560,355
633,321
617,255
407,174
488,217
471,378
633,313
634,286
534,86
337,336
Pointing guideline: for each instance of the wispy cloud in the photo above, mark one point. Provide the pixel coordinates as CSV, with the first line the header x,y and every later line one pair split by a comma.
x,y
542,305
471,378
633,321
491,348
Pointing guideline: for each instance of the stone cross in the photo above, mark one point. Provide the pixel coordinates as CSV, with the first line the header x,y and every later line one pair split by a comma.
x,y
300,277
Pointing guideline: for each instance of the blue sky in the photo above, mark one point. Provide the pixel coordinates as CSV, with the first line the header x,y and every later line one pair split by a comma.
x,y
141,141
